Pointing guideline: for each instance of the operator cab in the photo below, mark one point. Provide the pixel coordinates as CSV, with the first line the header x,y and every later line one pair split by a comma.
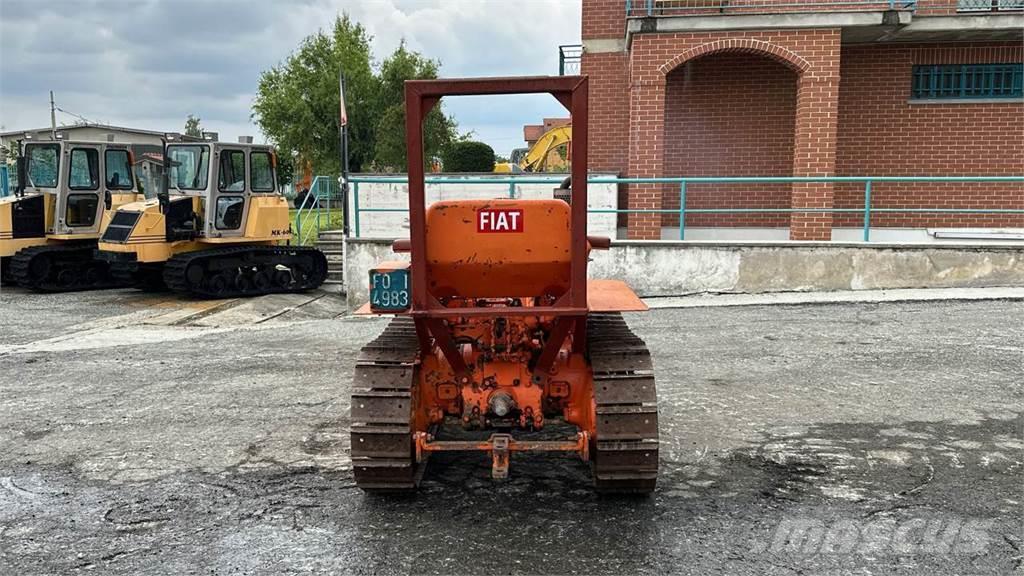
x,y
211,186
64,187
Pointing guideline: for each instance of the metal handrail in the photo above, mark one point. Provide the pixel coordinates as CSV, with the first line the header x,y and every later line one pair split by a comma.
x,y
654,8
320,194
5,182
569,59
702,7
682,182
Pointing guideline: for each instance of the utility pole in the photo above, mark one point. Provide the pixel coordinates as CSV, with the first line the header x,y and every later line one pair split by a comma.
x,y
53,118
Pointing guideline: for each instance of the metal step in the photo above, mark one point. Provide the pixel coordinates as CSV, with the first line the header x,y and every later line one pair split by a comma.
x,y
332,244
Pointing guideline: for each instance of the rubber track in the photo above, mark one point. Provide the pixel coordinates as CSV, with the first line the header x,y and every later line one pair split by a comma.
x,y
624,454
383,457
76,258
6,278
150,280
175,268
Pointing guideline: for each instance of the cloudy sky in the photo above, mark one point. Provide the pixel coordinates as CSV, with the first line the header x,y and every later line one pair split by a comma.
x,y
150,63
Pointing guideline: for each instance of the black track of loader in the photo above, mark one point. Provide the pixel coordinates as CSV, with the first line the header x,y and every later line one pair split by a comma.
x,y
61,268
245,271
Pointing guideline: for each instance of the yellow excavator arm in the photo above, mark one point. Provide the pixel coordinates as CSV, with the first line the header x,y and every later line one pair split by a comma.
x,y
536,158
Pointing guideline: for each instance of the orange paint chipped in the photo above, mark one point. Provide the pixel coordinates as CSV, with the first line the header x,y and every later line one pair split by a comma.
x,y
463,261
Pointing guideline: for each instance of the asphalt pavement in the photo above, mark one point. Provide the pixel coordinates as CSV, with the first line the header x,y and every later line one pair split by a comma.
x,y
140,434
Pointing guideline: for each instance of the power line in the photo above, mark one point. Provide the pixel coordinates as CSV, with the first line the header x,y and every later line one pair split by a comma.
x,y
79,116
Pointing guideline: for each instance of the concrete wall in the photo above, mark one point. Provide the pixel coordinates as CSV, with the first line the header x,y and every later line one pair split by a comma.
x,y
396,224
662,268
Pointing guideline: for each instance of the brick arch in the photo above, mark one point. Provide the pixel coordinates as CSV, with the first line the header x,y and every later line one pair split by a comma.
x,y
743,46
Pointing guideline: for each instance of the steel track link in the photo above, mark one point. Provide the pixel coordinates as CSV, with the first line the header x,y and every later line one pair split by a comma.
x,y
62,268
624,454
383,457
177,271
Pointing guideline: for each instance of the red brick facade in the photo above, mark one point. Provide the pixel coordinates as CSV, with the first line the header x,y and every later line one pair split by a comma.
x,y
882,133
730,114
793,103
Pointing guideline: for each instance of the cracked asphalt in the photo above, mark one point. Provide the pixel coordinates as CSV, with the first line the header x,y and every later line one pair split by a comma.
x,y
141,435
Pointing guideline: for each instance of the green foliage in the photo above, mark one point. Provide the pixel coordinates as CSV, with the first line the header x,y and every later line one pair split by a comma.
x,y
285,169
192,127
297,102
438,129
468,156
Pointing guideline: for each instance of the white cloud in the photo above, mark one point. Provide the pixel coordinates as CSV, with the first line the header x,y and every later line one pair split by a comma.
x,y
150,63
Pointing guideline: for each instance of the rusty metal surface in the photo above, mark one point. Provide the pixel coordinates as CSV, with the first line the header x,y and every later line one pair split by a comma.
x,y
500,455
422,95
501,446
528,258
625,453
470,312
493,85
613,296
381,413
577,444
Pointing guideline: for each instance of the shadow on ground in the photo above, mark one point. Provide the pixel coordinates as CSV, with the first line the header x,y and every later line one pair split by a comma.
x,y
718,513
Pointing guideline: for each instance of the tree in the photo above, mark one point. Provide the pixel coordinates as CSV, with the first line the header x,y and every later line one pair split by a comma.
x,y
285,169
438,129
297,102
192,127
468,156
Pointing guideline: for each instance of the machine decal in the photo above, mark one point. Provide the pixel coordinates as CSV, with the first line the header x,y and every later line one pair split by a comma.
x,y
389,290
499,220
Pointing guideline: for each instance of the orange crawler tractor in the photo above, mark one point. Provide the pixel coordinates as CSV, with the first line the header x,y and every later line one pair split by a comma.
x,y
499,331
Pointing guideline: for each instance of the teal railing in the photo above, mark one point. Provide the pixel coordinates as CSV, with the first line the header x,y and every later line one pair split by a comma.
x,y
5,181
649,8
676,7
314,213
866,181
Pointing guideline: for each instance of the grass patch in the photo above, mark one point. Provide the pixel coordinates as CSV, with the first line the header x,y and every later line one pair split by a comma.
x,y
332,220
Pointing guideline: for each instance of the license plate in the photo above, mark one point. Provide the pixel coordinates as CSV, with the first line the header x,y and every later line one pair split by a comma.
x,y
389,290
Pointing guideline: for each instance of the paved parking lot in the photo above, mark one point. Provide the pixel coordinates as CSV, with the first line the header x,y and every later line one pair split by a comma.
x,y
143,435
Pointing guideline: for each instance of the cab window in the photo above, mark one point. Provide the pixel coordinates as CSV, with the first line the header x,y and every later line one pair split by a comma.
x,y
262,172
81,209
189,166
231,176
229,212
43,165
84,170
118,170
